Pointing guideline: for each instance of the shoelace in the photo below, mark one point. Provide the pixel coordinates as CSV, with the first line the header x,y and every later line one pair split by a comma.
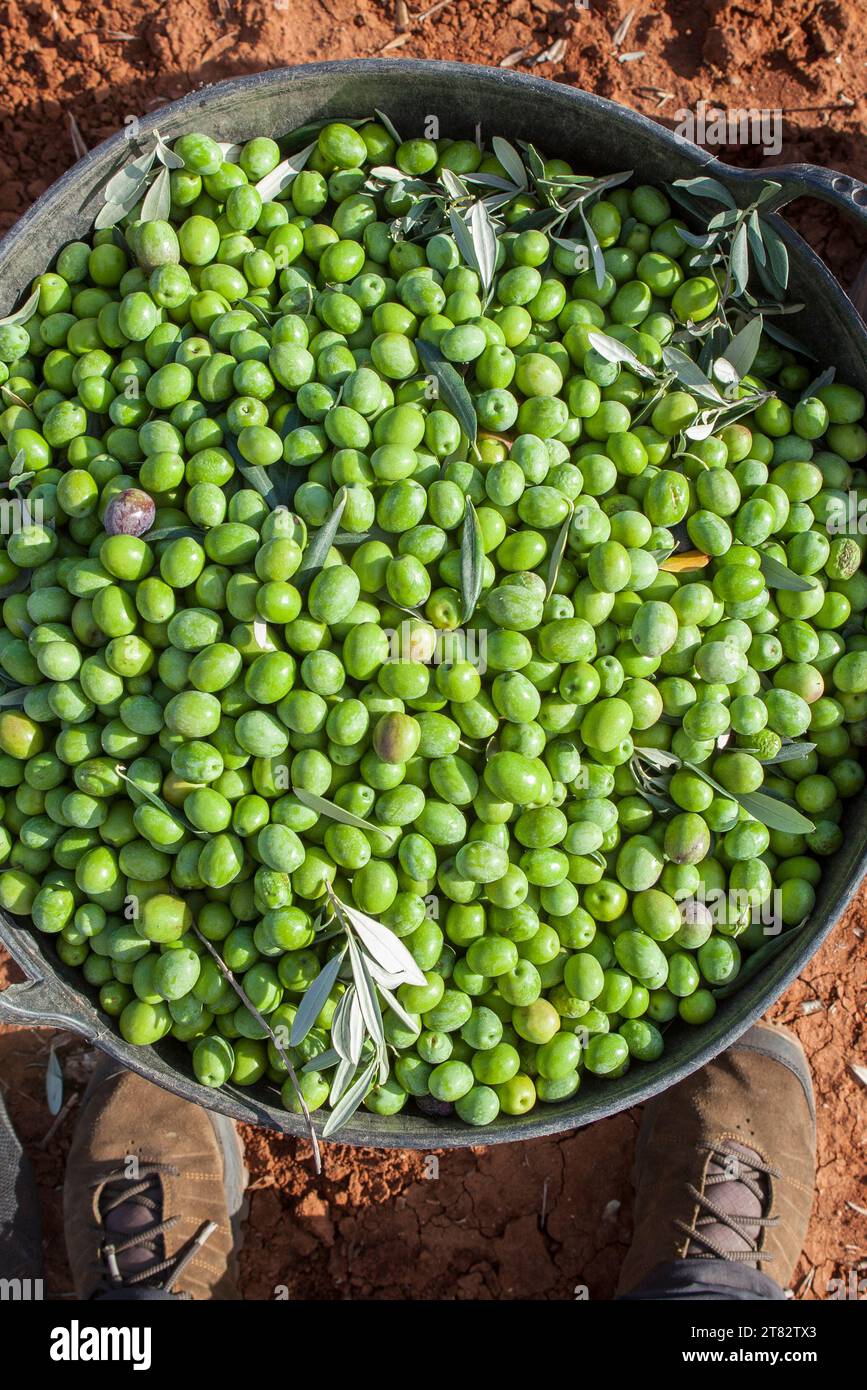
x,y
140,1192
724,1152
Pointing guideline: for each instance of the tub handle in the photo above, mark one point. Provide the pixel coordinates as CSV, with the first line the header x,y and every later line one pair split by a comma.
x,y
38,1002
843,191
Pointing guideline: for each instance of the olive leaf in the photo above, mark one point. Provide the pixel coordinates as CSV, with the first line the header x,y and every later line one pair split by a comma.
x,y
788,753
314,998
323,1061
388,124
346,1043
157,203
779,576
381,943
476,237
268,482
689,374
739,262
454,185
25,313
316,552
484,235
595,249
129,179
349,1103
54,1083
658,758
124,189
167,157
272,185
705,187
263,1023
741,351
615,351
472,562
824,378
778,256
366,993
557,553
701,241
10,395
451,387
535,163
16,698
173,812
510,160
383,984
173,533
774,813
337,813
769,810
788,340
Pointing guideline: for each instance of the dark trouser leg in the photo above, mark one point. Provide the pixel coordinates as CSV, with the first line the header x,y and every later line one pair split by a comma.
x,y
20,1213
706,1280
142,1295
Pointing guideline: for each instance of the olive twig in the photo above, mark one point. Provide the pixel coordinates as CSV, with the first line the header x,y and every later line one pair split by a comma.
x,y
281,1051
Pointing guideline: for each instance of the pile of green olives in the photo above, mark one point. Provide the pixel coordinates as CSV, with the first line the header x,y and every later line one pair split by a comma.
x,y
205,737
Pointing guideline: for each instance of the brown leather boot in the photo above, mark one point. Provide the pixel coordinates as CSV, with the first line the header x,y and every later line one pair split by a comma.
x,y
153,1193
726,1163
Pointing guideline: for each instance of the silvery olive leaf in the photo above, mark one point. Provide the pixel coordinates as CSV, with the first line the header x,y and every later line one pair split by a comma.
x,y
320,543
314,998
128,180
356,1024
595,249
157,203
340,1034
778,256
395,1005
169,159
25,313
454,186
472,557
387,173
615,351
341,1079
279,179
510,160
741,351
336,813
350,1102
494,181
323,1061
740,260
824,378
705,187
689,374
365,992
388,124
658,758
383,945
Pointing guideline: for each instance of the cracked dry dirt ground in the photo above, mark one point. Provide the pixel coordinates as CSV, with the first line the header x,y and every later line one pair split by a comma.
x,y
538,1219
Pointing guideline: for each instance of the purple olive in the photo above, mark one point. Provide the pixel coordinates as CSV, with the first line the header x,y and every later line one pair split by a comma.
x,y
429,1105
129,513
